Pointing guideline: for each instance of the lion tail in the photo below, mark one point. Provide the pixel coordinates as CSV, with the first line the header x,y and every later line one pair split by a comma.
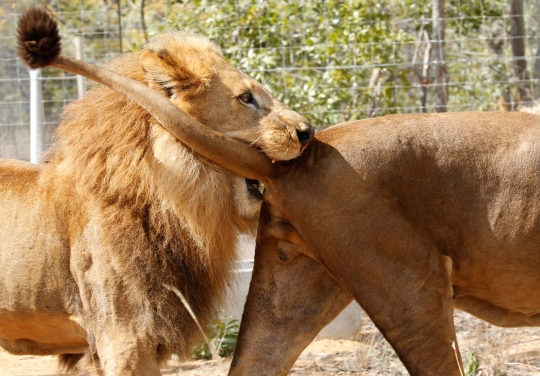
x,y
38,39
70,363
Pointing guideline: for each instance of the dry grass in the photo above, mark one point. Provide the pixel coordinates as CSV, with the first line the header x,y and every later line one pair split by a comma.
x,y
493,351
500,351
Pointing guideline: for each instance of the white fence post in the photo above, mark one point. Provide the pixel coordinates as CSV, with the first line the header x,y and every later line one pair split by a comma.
x,y
79,54
37,142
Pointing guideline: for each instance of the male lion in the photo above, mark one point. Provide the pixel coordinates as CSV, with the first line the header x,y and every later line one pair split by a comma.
x,y
121,208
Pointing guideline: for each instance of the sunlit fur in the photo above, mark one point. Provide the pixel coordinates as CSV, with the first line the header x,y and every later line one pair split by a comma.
x,y
121,208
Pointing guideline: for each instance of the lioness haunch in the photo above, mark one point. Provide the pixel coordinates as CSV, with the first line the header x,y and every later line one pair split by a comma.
x,y
410,215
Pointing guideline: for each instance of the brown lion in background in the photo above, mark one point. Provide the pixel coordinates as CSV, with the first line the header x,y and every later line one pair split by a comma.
x,y
122,208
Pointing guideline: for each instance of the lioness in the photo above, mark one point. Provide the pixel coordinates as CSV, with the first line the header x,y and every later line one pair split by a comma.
x,y
410,215
122,207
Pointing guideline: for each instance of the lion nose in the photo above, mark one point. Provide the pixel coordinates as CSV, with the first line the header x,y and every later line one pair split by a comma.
x,y
304,137
304,132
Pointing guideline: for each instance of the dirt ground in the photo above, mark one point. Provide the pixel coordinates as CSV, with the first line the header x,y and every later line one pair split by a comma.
x,y
488,350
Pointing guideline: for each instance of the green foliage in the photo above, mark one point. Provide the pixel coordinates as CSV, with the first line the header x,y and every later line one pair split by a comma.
x,y
472,364
319,56
223,334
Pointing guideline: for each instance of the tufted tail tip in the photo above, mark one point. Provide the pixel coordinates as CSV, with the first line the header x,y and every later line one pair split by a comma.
x,y
38,39
68,362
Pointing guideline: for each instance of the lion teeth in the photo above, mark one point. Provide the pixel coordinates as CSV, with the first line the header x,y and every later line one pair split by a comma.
x,y
261,188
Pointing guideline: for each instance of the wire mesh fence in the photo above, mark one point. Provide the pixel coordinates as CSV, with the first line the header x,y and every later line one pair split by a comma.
x,y
330,60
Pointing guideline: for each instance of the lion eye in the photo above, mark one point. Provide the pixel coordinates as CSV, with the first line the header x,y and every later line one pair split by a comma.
x,y
246,98
169,91
167,88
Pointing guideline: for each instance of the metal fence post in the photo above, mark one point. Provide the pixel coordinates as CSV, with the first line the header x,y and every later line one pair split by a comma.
x,y
37,144
79,54
439,55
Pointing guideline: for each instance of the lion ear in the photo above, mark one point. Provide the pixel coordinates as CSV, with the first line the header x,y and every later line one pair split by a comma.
x,y
171,75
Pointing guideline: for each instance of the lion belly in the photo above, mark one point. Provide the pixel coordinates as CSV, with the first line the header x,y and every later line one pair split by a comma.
x,y
41,333
502,281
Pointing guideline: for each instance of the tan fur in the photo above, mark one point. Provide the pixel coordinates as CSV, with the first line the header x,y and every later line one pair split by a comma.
x,y
121,207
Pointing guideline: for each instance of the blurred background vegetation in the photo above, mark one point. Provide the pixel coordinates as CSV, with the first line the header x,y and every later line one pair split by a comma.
x,y
331,60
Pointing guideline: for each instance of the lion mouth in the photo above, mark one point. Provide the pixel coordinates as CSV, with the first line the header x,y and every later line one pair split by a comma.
x,y
255,188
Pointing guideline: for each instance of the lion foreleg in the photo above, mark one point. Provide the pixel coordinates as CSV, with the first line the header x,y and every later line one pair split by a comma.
x,y
115,315
122,347
122,354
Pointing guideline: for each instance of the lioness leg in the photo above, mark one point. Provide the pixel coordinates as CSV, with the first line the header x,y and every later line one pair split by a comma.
x,y
397,274
414,312
417,320
291,298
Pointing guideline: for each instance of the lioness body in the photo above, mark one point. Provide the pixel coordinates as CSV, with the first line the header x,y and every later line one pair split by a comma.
x,y
409,215
470,183
122,208
36,289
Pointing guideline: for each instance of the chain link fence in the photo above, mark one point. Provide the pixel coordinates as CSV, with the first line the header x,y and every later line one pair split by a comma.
x,y
330,60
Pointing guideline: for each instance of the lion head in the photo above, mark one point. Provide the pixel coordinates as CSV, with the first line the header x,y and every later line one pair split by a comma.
x,y
191,71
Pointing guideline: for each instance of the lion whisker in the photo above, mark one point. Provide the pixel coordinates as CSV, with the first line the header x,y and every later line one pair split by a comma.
x,y
254,142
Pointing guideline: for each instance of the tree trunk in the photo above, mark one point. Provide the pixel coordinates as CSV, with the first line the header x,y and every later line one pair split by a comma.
x,y
517,39
425,72
119,15
439,55
143,22
375,89
536,73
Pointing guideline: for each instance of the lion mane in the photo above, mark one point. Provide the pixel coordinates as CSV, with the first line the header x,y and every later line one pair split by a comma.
x,y
180,224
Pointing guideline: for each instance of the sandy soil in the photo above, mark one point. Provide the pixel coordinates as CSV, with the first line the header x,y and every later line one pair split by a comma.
x,y
493,351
